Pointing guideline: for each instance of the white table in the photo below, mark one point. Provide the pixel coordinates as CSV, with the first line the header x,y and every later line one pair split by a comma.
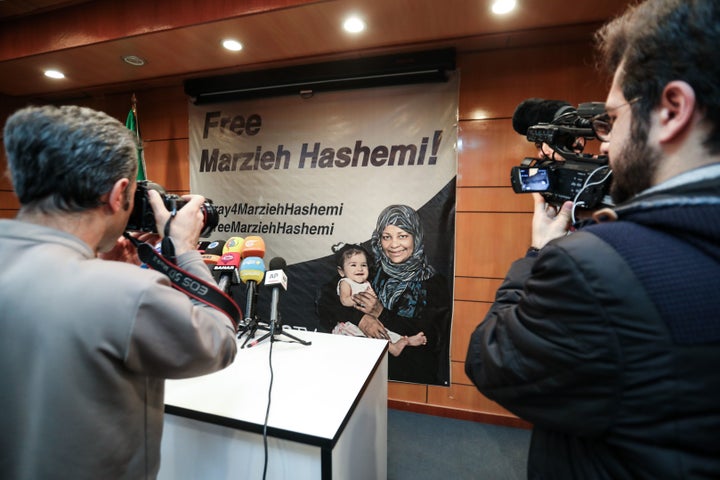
x,y
328,413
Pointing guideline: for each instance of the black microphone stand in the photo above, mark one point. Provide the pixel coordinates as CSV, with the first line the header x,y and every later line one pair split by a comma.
x,y
276,264
250,327
251,323
273,334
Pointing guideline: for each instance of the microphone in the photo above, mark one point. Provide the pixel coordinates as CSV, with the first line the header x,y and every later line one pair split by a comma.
x,y
229,262
252,271
235,244
212,252
276,278
532,111
254,247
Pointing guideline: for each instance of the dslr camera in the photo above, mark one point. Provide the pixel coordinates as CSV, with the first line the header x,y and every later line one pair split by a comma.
x,y
142,218
581,178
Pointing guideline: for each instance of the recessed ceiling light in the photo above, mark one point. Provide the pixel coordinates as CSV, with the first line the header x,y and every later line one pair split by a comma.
x,y
134,60
501,7
354,24
54,74
232,45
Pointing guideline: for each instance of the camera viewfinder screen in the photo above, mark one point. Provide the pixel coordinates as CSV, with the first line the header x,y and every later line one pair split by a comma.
x,y
534,179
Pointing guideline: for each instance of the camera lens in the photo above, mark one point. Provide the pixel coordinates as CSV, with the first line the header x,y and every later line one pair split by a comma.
x,y
211,218
142,217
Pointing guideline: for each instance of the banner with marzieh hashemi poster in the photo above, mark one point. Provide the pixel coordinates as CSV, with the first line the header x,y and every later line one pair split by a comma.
x,y
335,181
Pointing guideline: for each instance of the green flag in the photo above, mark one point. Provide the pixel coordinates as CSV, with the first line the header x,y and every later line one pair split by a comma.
x,y
132,124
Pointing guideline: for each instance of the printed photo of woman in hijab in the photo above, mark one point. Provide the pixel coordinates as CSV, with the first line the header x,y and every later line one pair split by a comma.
x,y
408,297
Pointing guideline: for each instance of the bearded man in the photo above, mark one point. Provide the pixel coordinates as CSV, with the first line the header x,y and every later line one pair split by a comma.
x,y
606,339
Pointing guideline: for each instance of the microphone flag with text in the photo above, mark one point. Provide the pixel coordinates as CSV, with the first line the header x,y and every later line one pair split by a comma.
x,y
229,262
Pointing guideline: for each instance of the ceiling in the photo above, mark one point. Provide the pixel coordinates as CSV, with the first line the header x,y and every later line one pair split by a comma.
x,y
180,39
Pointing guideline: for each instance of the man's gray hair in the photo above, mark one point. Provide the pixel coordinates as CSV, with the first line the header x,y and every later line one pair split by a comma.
x,y
66,158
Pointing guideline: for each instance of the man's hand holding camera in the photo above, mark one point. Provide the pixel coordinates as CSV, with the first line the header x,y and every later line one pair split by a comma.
x,y
125,251
185,228
549,222
187,224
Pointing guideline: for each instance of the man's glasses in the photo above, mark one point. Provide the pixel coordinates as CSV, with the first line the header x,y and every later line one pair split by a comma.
x,y
602,124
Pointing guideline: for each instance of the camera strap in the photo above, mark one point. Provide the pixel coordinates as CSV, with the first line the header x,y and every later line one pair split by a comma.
x,y
187,283
166,246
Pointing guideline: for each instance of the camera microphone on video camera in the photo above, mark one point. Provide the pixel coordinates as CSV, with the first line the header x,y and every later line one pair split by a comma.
x,y
533,111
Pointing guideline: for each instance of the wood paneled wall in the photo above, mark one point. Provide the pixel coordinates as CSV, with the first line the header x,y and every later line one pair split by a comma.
x,y
493,223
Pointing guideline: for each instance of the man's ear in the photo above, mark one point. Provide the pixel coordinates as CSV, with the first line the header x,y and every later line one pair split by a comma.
x,y
677,109
118,195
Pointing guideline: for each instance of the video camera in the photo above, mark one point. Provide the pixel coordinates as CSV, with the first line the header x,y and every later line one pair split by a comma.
x,y
581,178
142,218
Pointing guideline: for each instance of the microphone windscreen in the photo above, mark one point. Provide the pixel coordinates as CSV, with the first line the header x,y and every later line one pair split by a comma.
x,y
252,268
233,244
254,247
212,252
215,248
532,111
277,263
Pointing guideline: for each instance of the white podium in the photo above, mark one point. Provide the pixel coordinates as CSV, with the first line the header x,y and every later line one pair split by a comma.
x,y
327,417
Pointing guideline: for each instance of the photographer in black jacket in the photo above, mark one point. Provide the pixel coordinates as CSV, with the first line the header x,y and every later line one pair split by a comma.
x,y
608,339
